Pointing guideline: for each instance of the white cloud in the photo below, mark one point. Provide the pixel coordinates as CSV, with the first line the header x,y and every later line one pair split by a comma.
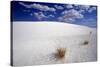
x,y
66,19
25,5
71,15
81,11
38,6
64,12
69,6
92,9
58,7
87,8
51,15
84,7
39,15
81,7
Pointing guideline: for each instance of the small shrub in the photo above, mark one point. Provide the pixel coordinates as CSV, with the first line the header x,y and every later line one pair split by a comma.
x,y
61,53
85,42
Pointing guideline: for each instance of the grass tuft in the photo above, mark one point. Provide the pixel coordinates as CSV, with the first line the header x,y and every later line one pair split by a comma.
x,y
61,53
85,42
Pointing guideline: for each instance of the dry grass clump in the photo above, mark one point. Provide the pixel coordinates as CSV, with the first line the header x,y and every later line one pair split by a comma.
x,y
85,43
61,53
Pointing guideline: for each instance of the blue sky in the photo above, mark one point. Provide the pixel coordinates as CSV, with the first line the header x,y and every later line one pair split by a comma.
x,y
67,13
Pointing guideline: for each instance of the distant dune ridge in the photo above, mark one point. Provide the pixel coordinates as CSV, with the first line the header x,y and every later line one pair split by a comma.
x,y
36,43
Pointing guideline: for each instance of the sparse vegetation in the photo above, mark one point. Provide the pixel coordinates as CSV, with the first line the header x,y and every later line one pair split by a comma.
x,y
85,42
61,53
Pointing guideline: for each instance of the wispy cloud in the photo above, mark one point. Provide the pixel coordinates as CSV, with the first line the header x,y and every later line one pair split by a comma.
x,y
92,9
49,16
38,6
59,7
85,8
69,6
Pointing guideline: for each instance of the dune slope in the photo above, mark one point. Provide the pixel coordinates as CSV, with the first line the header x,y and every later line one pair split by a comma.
x,y
36,43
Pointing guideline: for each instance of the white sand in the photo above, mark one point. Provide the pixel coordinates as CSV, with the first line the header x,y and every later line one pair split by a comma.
x,y
36,43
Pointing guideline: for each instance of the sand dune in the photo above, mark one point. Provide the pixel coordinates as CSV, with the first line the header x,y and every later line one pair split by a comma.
x,y
36,43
